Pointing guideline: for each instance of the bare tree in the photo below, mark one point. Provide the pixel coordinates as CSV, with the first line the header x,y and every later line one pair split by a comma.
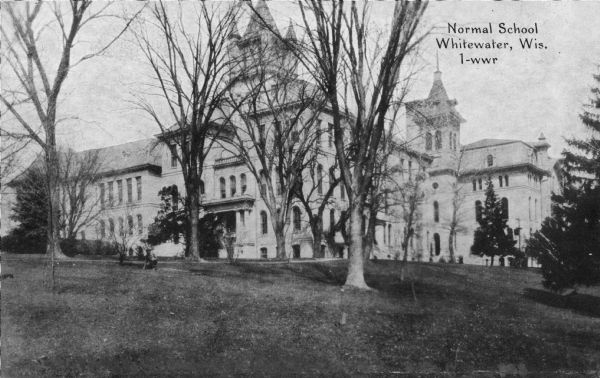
x,y
193,73
455,223
79,201
276,128
32,92
358,75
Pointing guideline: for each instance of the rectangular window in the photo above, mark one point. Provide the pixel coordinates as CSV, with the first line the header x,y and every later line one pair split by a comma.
x,y
342,191
138,183
263,253
102,196
410,169
242,217
111,197
330,135
173,156
402,168
474,185
506,180
500,181
120,191
140,224
129,190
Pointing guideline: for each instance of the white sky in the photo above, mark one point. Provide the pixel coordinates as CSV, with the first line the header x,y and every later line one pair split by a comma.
x,y
525,93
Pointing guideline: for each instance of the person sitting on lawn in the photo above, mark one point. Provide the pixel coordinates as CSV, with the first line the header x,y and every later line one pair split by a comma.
x,y
151,261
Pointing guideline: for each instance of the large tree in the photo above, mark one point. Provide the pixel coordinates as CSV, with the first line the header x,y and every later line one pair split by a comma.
x,y
567,243
358,73
35,77
187,48
493,237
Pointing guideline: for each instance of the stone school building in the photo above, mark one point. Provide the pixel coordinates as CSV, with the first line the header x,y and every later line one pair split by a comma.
x,y
523,174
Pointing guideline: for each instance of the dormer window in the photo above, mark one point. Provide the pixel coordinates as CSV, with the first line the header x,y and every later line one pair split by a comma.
x,y
490,160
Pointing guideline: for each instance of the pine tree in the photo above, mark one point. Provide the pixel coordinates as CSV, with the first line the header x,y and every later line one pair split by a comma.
x,y
567,244
492,237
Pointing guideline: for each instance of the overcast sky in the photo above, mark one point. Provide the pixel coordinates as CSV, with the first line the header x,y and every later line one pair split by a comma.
x,y
523,94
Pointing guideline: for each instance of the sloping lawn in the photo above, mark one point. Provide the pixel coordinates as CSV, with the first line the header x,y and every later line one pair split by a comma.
x,y
278,319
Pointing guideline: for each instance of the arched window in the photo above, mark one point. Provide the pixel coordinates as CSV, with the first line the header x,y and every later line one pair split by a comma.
x,y
297,218
130,224
478,211
474,185
428,141
232,185
102,229
243,183
222,187
436,242
436,211
490,160
202,187
140,224
111,227
479,182
506,180
438,140
121,227
320,179
264,226
331,219
504,202
263,182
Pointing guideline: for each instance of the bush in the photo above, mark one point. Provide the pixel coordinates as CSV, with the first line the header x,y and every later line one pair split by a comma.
x,y
87,247
17,242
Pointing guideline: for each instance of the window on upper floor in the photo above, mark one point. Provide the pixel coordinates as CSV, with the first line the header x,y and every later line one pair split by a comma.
x,y
505,180
474,185
173,151
111,194
140,224
129,190
330,135
500,181
202,189
264,225
428,141
232,185
138,183
320,179
243,183
297,218
120,192
438,140
342,191
479,182
102,196
504,207
130,226
490,160
478,211
436,211
111,227
222,187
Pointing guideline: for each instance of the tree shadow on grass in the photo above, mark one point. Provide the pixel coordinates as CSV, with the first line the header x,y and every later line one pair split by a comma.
x,y
584,304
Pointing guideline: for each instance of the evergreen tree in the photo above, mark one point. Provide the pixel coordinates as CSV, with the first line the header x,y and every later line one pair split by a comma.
x,y
568,243
493,237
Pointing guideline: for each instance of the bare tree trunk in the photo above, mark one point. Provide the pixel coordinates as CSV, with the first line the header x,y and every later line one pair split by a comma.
x,y
317,231
194,248
356,276
53,245
451,245
280,237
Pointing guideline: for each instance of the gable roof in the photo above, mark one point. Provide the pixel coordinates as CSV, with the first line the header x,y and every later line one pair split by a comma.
x,y
483,143
129,155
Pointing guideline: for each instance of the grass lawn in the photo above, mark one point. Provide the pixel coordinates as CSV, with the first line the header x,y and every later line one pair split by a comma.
x,y
278,319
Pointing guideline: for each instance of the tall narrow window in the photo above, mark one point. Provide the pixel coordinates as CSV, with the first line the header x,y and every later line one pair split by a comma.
x,y
120,191
500,181
504,202
330,135
318,134
102,196
242,217
121,227
474,185
331,220
243,183
102,229
438,140
297,218
202,189
506,180
130,225
111,227
536,209
436,242
320,179
479,182
232,185
342,190
436,211
263,182
138,183
140,224
222,187
173,151
402,168
478,211
389,235
129,190
261,132
428,141
263,222
490,160
111,194
410,169
530,208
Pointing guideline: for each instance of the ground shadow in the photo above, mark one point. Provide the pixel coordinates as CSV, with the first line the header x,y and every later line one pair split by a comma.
x,y
581,303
